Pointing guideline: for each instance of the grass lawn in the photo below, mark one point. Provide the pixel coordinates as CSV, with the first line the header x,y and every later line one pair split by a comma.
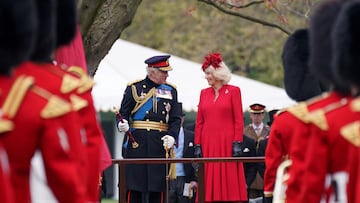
x,y
109,201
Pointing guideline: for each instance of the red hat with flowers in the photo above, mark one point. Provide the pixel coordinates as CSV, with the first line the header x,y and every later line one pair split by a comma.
x,y
212,59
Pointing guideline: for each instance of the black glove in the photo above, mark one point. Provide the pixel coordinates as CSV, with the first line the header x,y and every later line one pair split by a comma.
x,y
198,151
268,199
237,149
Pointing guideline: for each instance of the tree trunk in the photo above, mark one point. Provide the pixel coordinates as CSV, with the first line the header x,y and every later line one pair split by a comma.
x,y
101,23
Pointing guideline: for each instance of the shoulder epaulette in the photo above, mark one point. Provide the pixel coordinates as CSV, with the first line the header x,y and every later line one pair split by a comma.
x,y
77,70
55,106
171,84
16,95
86,83
133,82
318,117
78,102
355,105
6,126
351,133
281,111
69,83
300,111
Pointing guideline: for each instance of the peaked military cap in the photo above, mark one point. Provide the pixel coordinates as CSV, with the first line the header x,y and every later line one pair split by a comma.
x,y
161,62
257,108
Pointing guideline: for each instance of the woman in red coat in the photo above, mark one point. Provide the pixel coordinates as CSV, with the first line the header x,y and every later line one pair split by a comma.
x,y
219,133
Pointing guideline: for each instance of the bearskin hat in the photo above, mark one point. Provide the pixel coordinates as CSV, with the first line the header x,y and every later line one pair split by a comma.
x,y
346,40
17,34
321,46
45,41
66,21
299,83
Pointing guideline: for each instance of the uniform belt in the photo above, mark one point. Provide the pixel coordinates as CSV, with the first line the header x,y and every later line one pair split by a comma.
x,y
150,125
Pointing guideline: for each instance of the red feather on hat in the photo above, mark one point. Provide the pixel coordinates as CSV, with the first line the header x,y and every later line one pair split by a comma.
x,y
213,59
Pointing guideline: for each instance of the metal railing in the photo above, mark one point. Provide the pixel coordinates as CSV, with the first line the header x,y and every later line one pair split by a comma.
x,y
200,161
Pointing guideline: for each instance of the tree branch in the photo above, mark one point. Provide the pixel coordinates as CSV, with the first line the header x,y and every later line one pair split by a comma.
x,y
249,18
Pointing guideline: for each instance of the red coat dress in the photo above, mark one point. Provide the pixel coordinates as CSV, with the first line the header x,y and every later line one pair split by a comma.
x,y
218,124
333,147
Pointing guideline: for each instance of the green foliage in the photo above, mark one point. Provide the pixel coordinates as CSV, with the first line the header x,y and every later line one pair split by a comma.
x,y
190,29
109,201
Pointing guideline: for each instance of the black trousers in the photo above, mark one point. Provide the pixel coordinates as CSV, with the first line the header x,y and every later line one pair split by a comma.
x,y
145,197
176,189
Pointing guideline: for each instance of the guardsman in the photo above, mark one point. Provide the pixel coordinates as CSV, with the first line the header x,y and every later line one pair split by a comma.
x,y
36,115
334,141
295,56
150,110
74,88
321,24
16,38
258,131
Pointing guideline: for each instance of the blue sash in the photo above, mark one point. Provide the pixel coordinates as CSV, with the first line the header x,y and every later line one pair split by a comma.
x,y
139,115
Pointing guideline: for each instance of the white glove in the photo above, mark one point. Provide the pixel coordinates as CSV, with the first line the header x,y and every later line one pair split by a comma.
x,y
168,141
123,127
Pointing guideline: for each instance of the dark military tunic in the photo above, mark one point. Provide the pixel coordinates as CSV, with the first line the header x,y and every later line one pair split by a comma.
x,y
152,111
261,143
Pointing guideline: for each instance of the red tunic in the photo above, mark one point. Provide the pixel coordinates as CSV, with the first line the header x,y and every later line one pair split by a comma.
x,y
73,53
278,147
52,78
38,126
288,138
334,138
300,144
218,124
6,192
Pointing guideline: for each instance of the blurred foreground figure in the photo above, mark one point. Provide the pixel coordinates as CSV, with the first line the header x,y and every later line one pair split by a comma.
x,y
16,39
57,30
335,129
38,117
300,85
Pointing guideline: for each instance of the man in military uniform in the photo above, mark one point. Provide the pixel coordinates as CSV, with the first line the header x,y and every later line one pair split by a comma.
x,y
37,115
258,131
300,84
150,109
333,131
16,37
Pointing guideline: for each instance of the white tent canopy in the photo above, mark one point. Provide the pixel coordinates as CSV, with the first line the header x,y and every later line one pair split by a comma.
x,y
125,63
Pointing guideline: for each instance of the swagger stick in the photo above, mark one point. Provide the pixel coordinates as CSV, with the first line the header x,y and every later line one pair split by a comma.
x,y
131,137
167,176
